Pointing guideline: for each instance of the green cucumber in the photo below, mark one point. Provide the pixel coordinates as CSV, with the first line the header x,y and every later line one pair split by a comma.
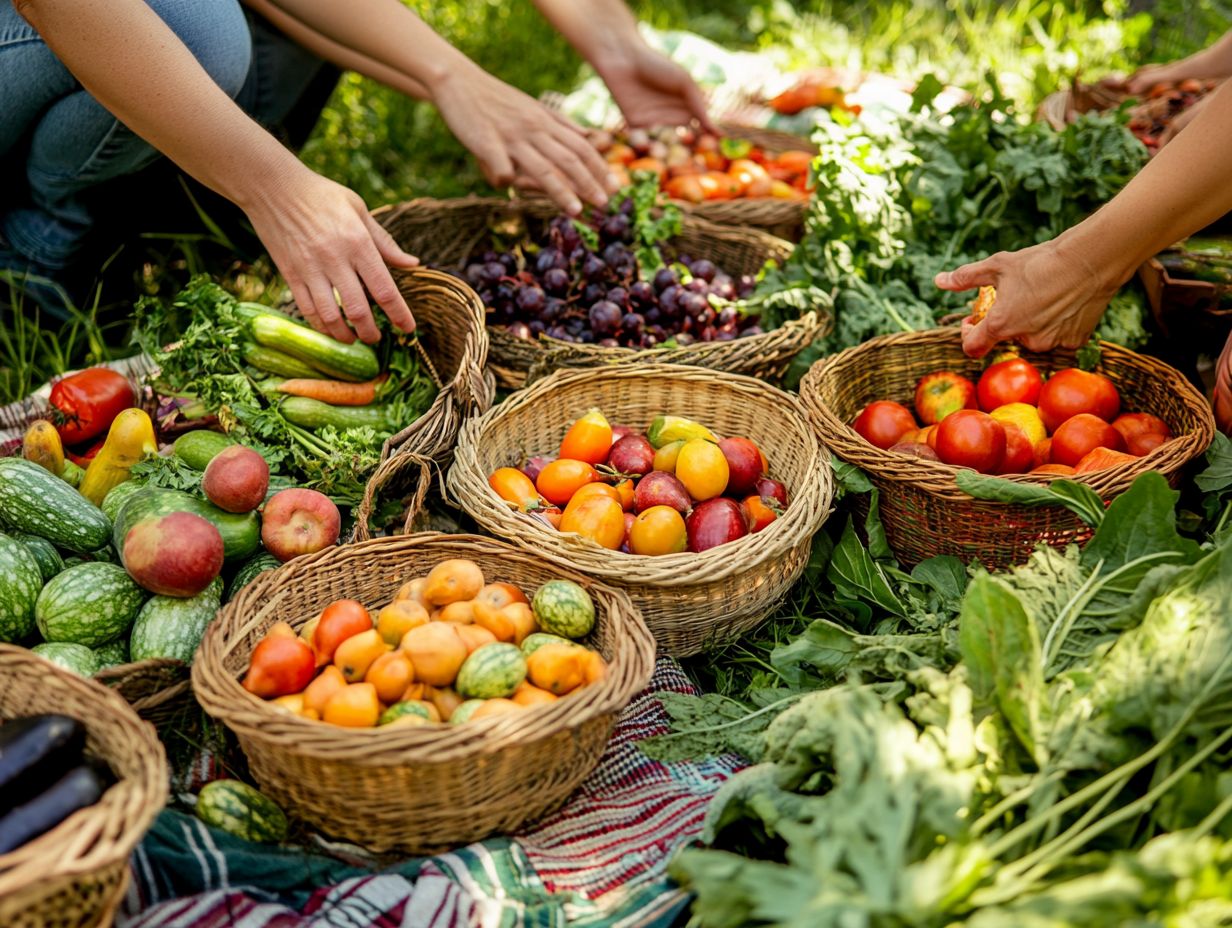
x,y
313,414
21,580
49,561
200,446
91,604
240,810
171,628
241,532
36,503
277,362
118,496
75,657
250,570
353,362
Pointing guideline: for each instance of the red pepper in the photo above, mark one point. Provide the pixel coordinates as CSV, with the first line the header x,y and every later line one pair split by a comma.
x,y
84,404
83,459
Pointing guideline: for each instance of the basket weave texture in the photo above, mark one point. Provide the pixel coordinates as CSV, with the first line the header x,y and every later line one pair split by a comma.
x,y
689,601
923,510
75,874
416,789
447,232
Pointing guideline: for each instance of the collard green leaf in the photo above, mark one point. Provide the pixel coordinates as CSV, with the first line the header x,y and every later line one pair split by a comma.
x,y
1140,522
1077,497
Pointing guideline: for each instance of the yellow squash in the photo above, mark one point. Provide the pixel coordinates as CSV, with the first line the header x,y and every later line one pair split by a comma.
x,y
130,439
41,445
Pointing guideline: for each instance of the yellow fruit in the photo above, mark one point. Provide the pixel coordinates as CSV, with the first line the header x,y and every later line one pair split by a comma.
x,y
357,653
1026,417
453,581
702,468
355,706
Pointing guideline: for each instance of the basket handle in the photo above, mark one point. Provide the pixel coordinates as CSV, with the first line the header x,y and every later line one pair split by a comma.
x,y
390,470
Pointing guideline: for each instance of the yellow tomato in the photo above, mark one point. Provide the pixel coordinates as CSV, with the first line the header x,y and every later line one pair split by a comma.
x,y
1026,417
702,468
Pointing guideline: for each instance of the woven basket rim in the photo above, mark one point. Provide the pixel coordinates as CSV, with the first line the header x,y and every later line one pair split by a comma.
x,y
223,697
940,479
809,505
77,846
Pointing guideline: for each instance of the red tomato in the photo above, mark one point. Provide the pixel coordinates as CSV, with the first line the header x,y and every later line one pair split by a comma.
x,y
940,393
339,621
970,438
1012,381
1131,424
883,423
1144,443
280,665
1019,452
1081,434
84,404
1069,392
1102,458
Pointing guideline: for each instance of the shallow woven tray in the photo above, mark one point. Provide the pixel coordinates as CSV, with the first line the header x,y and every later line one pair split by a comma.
x,y
922,508
75,874
426,788
689,601
447,232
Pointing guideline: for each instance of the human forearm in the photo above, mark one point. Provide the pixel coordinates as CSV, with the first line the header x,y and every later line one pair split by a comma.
x,y
602,31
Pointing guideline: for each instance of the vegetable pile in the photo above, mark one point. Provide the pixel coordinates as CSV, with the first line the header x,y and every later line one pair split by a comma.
x,y
316,409
696,167
1015,422
604,282
451,647
673,488
1042,746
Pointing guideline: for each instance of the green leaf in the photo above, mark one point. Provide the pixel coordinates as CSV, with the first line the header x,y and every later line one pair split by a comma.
x,y
850,478
1217,478
945,575
857,577
1138,523
1077,497
926,90
878,545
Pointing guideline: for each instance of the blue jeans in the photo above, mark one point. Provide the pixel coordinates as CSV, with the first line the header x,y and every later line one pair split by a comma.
x,y
66,145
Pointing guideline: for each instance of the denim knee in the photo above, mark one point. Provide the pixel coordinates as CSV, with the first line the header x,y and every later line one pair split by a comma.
x,y
216,32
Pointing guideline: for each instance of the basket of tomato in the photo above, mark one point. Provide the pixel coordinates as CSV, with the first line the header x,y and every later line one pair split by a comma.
x,y
81,778
566,294
912,410
747,177
420,692
696,492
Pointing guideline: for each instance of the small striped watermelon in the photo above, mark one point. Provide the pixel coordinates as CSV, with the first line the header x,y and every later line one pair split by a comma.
x,y
536,640
563,608
171,628
20,584
49,560
465,710
492,671
90,604
410,712
113,654
240,810
75,657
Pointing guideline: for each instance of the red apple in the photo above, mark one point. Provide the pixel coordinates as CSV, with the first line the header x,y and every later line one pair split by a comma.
x,y
744,464
659,488
299,521
178,554
940,393
715,522
632,454
236,479
767,486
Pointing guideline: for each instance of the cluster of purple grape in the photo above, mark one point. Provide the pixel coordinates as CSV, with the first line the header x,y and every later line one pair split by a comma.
x,y
573,293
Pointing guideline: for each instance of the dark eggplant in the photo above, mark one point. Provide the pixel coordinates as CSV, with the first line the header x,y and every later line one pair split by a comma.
x,y
34,751
77,789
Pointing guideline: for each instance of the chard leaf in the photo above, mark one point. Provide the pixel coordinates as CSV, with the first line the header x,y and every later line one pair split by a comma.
x,y
857,577
1077,497
946,577
706,726
878,545
1140,522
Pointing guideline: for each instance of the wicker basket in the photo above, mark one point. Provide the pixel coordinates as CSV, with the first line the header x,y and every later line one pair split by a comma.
x,y
689,601
416,790
75,874
447,232
922,508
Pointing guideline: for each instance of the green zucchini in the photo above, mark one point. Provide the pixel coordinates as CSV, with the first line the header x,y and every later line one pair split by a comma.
x,y
313,414
36,503
355,362
241,532
277,362
200,446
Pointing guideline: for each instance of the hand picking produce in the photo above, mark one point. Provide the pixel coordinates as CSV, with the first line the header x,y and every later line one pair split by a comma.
x,y
451,647
1012,421
675,487
603,281
695,166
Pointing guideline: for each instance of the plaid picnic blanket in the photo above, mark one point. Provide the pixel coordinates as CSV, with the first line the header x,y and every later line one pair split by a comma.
x,y
599,863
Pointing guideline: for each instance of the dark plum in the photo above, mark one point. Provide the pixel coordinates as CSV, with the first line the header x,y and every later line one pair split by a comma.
x,y
536,327
593,293
553,309
615,254
474,275
665,277
751,330
547,259
605,317
614,228
652,315
510,264
727,315
693,304
556,280
669,299
558,331
493,271
626,206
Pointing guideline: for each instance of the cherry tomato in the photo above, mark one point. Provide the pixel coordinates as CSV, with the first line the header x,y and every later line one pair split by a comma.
x,y
1019,451
883,423
1069,392
970,438
600,519
1012,381
340,620
589,439
1081,434
559,480
515,487
940,393
1131,424
760,511
84,404
658,530
1100,459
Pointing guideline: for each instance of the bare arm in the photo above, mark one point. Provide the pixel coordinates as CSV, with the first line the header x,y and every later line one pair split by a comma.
x,y
1212,63
1055,293
649,88
515,138
318,233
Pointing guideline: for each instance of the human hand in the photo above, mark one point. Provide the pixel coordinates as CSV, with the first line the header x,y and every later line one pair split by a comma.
x,y
519,141
1047,295
652,90
322,239
1141,81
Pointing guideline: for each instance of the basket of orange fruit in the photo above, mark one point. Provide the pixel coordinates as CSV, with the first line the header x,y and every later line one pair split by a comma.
x,y
912,410
424,691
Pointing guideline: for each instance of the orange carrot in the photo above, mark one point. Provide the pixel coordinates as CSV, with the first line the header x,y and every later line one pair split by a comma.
x,y
334,392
